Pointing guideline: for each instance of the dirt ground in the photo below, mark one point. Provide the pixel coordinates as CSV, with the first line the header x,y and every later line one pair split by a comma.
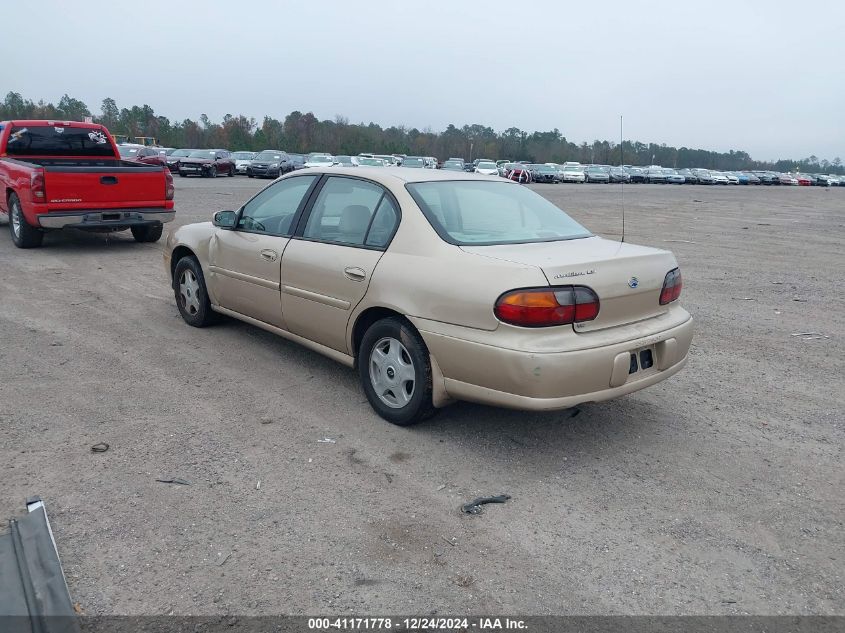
x,y
719,491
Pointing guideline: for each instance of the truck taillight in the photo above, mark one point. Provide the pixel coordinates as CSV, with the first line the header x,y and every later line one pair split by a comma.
x,y
544,307
169,189
672,285
36,186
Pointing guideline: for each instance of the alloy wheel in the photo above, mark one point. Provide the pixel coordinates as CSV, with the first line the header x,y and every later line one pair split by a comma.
x,y
392,373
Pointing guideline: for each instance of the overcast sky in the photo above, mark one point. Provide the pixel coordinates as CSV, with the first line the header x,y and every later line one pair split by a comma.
x,y
767,76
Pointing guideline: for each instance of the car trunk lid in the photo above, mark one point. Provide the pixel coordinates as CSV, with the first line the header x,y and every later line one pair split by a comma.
x,y
626,277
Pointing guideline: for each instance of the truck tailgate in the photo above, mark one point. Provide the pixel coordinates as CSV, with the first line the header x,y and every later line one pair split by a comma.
x,y
70,188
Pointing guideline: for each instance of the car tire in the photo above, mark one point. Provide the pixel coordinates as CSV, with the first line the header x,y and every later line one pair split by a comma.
x,y
212,173
147,233
23,235
392,354
250,175
191,293
182,174
231,171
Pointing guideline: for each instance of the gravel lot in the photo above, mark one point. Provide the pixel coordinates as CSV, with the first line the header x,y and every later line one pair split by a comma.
x,y
719,491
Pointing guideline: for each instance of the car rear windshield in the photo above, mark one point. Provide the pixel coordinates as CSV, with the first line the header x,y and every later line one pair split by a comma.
x,y
58,140
485,213
203,153
243,155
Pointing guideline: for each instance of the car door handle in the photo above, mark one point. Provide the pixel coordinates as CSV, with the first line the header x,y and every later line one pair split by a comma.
x,y
269,254
355,274
108,180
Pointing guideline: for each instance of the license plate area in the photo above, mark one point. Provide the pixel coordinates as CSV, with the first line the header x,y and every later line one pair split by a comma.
x,y
642,361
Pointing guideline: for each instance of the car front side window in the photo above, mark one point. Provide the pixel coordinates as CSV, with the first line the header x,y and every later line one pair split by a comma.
x,y
272,211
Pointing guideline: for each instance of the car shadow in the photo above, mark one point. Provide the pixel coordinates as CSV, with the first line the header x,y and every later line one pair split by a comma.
x,y
73,240
537,440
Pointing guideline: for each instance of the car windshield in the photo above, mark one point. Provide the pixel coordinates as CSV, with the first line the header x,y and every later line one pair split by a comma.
x,y
413,162
467,212
243,155
203,153
486,165
598,169
322,160
181,153
453,163
572,168
127,151
370,162
269,156
546,169
346,160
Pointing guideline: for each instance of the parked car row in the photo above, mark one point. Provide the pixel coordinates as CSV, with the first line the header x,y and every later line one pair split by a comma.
x,y
654,174
272,163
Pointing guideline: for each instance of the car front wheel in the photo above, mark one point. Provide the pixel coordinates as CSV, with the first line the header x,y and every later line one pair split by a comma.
x,y
395,372
191,293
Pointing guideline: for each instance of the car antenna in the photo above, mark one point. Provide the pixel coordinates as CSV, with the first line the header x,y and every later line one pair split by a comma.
x,y
622,184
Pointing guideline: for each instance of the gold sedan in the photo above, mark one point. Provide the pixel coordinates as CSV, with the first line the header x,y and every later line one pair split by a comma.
x,y
438,286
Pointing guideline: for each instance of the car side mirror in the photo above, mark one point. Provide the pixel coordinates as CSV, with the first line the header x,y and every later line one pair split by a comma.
x,y
224,219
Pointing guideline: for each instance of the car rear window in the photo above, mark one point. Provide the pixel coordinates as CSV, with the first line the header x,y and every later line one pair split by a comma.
x,y
484,213
58,140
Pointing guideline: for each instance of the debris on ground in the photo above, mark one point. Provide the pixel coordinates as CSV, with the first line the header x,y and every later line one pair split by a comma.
x,y
174,480
100,447
327,440
258,485
810,336
441,487
33,589
449,541
682,241
799,299
464,580
474,506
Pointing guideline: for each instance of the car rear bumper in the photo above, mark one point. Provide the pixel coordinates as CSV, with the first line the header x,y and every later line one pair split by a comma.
x,y
558,380
108,219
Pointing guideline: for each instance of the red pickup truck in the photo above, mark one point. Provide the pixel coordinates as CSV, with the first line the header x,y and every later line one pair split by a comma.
x,y
58,174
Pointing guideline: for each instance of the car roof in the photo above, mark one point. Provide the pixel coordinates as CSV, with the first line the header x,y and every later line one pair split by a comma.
x,y
397,176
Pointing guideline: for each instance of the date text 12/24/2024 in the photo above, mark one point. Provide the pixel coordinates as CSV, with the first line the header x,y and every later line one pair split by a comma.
x,y
416,624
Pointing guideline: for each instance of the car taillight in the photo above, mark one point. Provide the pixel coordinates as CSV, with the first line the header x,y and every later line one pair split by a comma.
x,y
36,186
544,307
671,286
169,189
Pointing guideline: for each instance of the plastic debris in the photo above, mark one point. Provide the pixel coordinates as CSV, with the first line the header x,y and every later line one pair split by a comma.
x,y
101,447
327,440
474,506
174,480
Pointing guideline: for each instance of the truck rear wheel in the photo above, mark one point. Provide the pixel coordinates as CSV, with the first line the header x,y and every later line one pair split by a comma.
x,y
148,233
23,235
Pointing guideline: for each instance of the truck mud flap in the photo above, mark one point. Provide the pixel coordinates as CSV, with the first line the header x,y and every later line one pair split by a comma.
x,y
34,596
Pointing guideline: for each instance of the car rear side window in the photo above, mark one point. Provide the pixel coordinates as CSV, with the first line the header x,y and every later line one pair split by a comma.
x,y
352,211
58,140
480,213
273,210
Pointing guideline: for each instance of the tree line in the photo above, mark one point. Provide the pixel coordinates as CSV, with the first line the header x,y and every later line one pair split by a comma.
x,y
299,132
